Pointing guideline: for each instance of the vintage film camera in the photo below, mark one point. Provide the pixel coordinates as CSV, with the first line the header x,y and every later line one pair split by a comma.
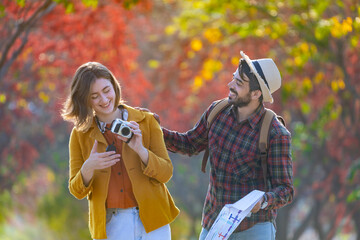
x,y
121,127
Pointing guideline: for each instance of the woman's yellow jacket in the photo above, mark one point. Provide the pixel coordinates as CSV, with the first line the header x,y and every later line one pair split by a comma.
x,y
156,206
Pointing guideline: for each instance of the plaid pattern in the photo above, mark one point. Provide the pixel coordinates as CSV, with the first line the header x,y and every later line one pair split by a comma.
x,y
235,162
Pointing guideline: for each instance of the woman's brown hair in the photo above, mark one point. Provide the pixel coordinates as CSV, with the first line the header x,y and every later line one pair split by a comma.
x,y
77,108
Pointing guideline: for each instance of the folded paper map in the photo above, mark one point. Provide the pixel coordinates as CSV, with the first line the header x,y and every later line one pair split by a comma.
x,y
231,216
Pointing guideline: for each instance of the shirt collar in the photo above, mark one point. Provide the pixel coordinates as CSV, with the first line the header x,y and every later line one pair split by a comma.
x,y
254,118
102,125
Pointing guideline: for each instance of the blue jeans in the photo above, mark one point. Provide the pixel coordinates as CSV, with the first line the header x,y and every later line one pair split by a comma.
x,y
125,224
260,231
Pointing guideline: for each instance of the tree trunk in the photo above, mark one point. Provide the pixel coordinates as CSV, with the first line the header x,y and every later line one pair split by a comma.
x,y
282,222
356,218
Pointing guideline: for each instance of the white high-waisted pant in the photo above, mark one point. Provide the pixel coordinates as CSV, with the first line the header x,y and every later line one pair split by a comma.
x,y
125,224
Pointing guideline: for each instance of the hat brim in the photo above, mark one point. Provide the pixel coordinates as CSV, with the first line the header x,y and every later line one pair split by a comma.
x,y
264,89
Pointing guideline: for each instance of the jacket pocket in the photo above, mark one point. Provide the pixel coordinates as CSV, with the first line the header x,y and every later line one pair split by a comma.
x,y
109,216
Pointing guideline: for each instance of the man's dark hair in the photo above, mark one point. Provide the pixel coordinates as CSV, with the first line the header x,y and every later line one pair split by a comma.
x,y
254,84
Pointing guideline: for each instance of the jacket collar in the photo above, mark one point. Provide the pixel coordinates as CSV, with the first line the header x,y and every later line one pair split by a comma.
x,y
134,114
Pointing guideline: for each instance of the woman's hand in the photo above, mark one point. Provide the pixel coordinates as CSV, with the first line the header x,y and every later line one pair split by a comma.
x,y
97,161
135,142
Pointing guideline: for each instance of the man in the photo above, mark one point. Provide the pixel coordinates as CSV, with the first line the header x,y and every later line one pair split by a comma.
x,y
234,155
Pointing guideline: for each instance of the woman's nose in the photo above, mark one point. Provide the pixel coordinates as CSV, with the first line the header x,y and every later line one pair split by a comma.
x,y
103,98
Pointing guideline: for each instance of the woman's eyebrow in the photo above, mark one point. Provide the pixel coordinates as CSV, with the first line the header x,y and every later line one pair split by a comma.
x,y
100,90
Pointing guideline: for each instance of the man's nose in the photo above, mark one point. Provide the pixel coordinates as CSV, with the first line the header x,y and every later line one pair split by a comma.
x,y
231,83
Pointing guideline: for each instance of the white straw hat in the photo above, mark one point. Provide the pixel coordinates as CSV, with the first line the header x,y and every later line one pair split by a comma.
x,y
267,74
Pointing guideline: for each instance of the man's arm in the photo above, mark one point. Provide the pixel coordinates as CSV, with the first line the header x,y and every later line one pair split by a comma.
x,y
189,143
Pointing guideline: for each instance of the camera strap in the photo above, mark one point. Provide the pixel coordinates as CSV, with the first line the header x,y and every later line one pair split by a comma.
x,y
102,125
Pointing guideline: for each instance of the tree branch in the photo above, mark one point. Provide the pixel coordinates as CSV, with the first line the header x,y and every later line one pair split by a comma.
x,y
23,27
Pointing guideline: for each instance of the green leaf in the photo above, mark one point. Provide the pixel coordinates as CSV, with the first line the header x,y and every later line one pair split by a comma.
x,y
21,3
129,3
2,10
355,167
90,3
305,108
354,196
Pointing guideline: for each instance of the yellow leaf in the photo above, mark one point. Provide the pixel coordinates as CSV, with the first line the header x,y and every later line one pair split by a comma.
x,y
90,3
2,98
298,61
347,25
52,86
39,85
319,77
69,8
336,29
210,67
207,75
21,3
196,45
213,35
44,97
253,11
198,82
334,86
341,84
50,175
307,84
341,29
235,61
22,103
198,4
170,30
153,64
184,65
354,41
304,47
190,54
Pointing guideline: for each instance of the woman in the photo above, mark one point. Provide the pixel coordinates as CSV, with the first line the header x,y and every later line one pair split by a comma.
x,y
125,185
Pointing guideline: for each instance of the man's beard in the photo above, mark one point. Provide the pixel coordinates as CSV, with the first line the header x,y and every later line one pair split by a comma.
x,y
241,101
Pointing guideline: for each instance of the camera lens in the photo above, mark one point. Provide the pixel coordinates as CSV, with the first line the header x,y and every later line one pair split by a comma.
x,y
125,131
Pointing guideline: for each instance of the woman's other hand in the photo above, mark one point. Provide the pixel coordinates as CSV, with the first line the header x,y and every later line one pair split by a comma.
x,y
97,161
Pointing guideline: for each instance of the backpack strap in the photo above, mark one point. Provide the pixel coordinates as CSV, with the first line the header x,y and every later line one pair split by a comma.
x,y
218,108
263,141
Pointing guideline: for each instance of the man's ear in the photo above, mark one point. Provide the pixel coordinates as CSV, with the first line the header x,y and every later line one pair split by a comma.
x,y
256,94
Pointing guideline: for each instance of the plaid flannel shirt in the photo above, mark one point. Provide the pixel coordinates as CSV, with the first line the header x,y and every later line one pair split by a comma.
x,y
235,165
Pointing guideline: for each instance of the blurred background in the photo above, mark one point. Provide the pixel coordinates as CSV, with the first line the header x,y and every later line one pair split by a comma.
x,y
175,58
